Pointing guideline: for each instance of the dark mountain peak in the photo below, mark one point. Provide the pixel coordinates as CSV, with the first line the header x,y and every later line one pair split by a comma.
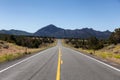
x,y
13,30
50,27
87,29
48,30
107,31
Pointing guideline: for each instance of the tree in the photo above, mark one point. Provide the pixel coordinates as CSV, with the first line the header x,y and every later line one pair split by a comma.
x,y
93,43
115,36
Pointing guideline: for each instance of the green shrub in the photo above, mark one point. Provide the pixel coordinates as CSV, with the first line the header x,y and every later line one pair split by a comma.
x,y
117,56
9,57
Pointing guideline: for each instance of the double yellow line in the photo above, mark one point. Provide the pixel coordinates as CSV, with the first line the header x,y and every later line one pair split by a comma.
x,y
59,65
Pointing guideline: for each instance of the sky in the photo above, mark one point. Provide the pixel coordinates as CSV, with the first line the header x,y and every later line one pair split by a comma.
x,y
31,15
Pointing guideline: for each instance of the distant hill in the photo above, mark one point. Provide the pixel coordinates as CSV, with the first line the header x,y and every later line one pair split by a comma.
x,y
53,31
50,30
15,32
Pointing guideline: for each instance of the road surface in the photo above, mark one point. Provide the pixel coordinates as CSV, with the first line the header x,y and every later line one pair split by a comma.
x,y
59,63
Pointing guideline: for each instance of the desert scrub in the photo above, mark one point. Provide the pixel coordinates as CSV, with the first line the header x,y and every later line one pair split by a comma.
x,y
2,59
18,55
9,57
103,55
6,57
16,52
117,56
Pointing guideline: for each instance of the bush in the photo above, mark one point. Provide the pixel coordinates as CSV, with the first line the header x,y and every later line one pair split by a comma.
x,y
91,53
26,41
115,37
90,43
9,57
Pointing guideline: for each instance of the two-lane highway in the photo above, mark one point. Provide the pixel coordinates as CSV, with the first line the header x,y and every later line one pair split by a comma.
x,y
60,63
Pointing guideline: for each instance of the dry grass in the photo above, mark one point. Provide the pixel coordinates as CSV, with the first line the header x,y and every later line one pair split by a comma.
x,y
15,51
112,54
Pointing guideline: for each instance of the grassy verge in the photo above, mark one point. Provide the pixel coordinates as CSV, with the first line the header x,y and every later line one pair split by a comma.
x,y
105,53
14,51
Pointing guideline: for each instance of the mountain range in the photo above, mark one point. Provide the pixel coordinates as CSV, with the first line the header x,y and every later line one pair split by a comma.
x,y
53,31
15,32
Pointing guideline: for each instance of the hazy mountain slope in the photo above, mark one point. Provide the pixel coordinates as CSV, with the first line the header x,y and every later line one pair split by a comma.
x,y
15,32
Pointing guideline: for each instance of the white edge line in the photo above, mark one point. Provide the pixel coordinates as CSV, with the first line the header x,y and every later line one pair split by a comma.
x,y
98,61
20,62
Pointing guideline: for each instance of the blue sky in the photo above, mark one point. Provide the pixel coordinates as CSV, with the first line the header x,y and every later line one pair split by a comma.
x,y
31,15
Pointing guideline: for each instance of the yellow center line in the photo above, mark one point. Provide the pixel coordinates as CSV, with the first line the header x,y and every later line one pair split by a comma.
x,y
59,65
61,61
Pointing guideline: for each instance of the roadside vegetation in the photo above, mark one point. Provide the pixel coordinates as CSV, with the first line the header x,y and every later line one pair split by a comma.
x,y
103,48
14,47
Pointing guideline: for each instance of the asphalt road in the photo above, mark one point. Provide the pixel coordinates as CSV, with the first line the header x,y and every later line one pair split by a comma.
x,y
59,63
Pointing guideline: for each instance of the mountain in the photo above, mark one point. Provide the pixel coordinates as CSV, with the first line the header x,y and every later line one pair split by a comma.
x,y
50,30
53,31
15,32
